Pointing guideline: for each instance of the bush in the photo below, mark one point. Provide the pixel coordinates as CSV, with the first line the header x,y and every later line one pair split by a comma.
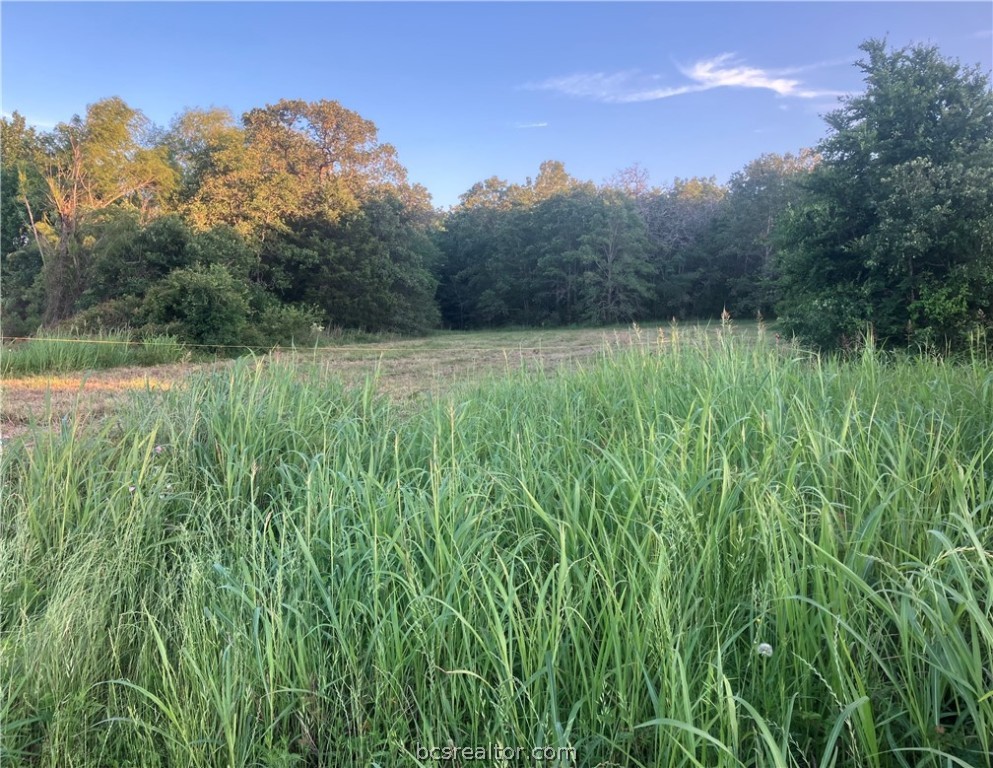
x,y
201,305
125,312
23,292
289,325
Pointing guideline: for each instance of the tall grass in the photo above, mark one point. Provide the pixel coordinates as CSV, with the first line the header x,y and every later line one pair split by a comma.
x,y
700,557
61,352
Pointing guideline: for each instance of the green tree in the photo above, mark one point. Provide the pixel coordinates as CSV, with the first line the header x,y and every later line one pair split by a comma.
x,y
897,229
553,250
680,221
16,146
471,244
617,281
561,244
224,245
293,160
372,269
89,165
21,192
745,230
205,144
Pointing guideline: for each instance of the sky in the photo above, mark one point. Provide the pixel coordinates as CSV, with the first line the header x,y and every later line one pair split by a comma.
x,y
466,91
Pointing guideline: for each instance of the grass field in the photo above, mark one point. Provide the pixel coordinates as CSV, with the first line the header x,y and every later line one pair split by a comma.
x,y
60,352
51,380
673,551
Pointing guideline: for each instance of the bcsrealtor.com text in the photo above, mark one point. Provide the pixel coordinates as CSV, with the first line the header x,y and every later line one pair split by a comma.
x,y
497,752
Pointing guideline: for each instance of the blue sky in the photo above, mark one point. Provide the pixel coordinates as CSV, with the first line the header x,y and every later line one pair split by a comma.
x,y
465,91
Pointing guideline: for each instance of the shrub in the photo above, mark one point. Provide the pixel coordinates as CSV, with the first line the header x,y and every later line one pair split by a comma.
x,y
202,305
287,325
125,312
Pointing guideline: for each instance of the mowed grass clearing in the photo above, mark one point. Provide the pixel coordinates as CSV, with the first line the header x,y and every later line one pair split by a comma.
x,y
47,383
672,554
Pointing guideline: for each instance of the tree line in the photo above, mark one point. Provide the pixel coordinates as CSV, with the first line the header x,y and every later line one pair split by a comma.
x,y
297,217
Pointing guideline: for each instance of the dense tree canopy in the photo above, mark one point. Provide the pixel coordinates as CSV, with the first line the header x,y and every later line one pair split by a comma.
x,y
91,165
896,230
554,250
297,215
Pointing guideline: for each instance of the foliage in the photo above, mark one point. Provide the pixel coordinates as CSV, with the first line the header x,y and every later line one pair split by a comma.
x,y
745,236
90,165
720,556
202,305
287,325
22,294
554,250
15,140
293,160
888,225
897,230
126,312
679,220
203,144
370,270
23,291
128,258
617,278
225,246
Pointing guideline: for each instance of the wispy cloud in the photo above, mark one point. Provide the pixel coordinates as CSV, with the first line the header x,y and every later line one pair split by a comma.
x,y
723,71
44,124
531,125
619,87
984,34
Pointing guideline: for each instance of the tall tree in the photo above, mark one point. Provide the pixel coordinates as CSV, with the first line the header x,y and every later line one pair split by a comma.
x,y
294,160
204,144
617,280
555,250
89,165
559,225
680,220
471,244
17,144
745,230
21,192
897,232
372,269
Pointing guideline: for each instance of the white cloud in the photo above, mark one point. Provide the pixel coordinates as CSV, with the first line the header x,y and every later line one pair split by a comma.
x,y
595,85
532,125
619,87
31,122
722,71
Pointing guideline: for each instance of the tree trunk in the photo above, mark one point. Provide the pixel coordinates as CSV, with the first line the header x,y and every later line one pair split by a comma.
x,y
62,280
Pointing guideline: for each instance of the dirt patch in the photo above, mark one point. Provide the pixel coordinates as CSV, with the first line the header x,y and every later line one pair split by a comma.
x,y
88,395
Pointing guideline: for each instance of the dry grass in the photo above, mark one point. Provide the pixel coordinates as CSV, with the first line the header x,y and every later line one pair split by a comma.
x,y
404,370
43,400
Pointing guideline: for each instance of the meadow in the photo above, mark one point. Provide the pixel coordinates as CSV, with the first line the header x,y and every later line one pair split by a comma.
x,y
681,549
63,351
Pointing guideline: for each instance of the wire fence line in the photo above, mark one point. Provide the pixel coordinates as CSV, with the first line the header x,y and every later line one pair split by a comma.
x,y
369,347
